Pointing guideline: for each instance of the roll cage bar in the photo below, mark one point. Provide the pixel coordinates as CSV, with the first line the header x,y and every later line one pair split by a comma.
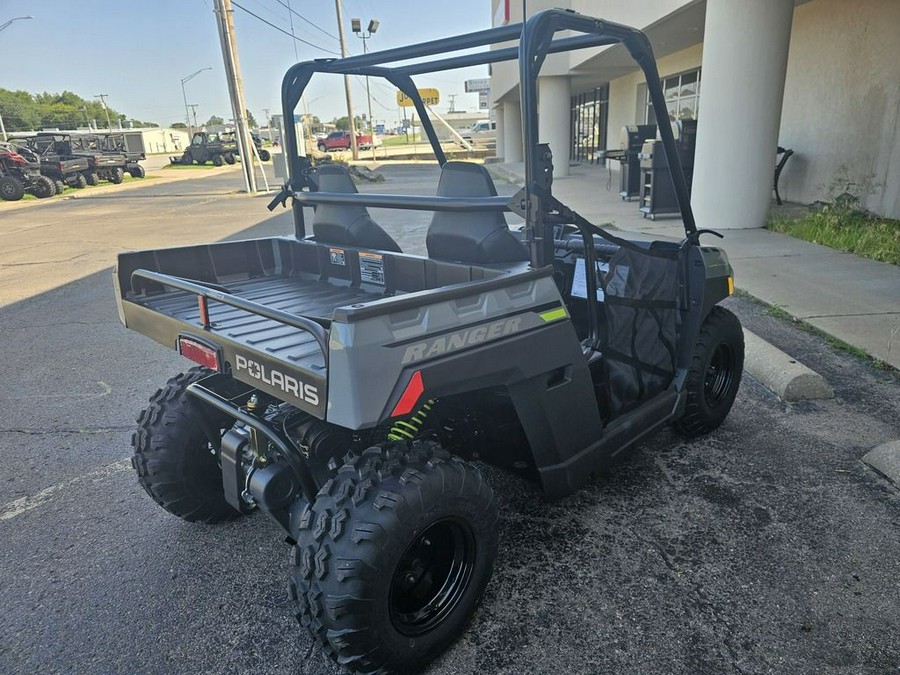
x,y
534,202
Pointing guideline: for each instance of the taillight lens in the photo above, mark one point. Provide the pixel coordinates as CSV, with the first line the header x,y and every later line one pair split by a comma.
x,y
198,352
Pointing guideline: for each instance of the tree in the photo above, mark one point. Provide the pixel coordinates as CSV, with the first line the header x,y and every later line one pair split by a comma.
x,y
215,120
343,123
178,125
251,120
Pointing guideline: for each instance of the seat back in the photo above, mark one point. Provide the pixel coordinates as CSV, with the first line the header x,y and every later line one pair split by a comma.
x,y
475,238
346,224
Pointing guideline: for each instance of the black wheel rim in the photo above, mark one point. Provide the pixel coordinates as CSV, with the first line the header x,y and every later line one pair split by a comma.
x,y
432,576
719,375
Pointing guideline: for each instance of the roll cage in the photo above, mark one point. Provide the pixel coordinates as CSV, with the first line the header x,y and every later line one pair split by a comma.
x,y
534,202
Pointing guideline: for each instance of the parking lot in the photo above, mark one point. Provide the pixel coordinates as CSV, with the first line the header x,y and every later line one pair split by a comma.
x,y
766,547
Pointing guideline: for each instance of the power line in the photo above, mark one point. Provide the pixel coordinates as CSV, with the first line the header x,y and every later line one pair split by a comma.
x,y
297,14
281,30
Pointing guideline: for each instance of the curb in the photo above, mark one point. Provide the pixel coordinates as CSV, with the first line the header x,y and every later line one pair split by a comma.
x,y
789,379
885,459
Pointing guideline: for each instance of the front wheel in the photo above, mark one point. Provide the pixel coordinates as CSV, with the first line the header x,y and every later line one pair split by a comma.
x,y
322,147
42,187
393,556
264,155
187,158
217,160
11,189
715,374
229,158
175,460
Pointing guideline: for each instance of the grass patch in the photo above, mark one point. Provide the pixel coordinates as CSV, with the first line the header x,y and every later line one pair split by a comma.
x,y
400,139
846,230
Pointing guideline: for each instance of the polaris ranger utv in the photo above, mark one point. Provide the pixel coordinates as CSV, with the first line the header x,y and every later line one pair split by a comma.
x,y
344,387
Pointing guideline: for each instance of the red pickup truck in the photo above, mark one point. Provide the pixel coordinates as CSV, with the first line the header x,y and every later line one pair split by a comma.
x,y
340,140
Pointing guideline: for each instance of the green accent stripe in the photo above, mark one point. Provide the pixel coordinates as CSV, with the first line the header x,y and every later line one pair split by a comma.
x,y
554,314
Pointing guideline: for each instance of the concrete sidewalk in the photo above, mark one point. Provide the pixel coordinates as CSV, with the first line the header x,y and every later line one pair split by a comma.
x,y
854,299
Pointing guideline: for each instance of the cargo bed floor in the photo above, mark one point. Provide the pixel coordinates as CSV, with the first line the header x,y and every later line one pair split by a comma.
x,y
304,297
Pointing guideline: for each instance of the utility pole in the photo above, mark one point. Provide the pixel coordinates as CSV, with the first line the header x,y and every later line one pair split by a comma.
x,y
340,19
103,98
193,107
225,21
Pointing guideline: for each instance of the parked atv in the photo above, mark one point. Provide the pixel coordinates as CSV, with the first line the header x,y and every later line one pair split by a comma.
x,y
130,145
345,389
210,147
56,159
101,165
21,173
105,163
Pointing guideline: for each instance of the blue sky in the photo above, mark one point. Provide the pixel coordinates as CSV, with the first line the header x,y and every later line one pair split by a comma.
x,y
138,52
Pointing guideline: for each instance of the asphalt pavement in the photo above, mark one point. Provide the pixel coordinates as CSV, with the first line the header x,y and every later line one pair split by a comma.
x,y
765,547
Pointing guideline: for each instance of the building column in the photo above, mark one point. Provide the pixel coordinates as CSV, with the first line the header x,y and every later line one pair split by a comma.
x,y
554,120
499,141
745,52
512,132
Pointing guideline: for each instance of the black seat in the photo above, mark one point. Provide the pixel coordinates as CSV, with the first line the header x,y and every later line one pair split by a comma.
x,y
346,224
474,238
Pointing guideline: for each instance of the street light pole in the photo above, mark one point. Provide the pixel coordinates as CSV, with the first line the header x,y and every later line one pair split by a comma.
x,y
2,26
364,35
339,10
187,115
15,18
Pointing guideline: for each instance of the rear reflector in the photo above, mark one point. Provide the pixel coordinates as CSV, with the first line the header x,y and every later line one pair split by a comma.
x,y
410,396
199,352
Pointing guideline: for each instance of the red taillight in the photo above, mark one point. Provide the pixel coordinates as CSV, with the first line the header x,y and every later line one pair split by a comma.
x,y
410,396
199,352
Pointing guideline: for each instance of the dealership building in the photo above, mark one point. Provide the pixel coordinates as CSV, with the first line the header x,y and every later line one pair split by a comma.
x,y
821,77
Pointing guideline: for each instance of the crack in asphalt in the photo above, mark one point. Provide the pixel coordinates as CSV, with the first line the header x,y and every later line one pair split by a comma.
x,y
54,432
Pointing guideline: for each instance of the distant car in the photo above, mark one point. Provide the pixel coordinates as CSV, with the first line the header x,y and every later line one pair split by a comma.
x,y
483,132
340,140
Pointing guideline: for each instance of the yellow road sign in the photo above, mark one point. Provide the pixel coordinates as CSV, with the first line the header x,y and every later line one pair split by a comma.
x,y
429,97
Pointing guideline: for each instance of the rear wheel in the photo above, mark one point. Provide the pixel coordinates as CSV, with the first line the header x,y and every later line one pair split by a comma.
x,y
715,373
264,155
42,187
393,556
322,147
91,178
11,189
137,171
80,181
229,158
174,459
116,175
217,160
60,186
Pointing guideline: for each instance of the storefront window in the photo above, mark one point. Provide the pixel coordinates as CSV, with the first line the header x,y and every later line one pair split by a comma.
x,y
588,115
682,94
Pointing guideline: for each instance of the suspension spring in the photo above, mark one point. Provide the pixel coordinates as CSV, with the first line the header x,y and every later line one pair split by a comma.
x,y
408,429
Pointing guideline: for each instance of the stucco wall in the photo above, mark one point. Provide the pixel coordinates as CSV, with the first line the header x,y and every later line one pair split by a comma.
x,y
842,99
